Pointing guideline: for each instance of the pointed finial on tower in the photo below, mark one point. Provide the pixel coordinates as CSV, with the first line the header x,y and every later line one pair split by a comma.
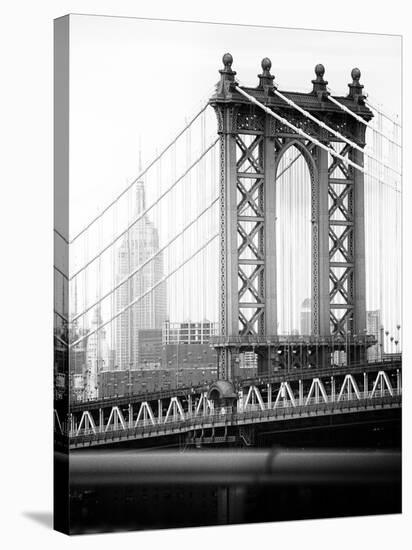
x,y
319,84
140,205
266,79
355,89
227,77
227,63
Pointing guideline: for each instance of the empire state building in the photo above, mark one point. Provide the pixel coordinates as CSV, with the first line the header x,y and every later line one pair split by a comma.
x,y
141,243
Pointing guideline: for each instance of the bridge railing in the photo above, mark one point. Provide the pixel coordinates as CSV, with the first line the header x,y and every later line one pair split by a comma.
x,y
164,393
334,369
224,416
292,340
285,402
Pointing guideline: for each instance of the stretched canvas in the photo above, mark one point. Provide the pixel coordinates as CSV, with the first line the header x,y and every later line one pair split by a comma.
x,y
227,324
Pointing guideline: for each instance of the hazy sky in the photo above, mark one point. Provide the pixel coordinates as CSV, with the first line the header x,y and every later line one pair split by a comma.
x,y
137,80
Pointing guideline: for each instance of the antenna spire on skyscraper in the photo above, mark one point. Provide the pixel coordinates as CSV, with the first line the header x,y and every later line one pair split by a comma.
x,y
140,190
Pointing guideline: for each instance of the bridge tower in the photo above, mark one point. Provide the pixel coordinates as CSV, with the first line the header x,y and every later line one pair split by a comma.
x,y
251,145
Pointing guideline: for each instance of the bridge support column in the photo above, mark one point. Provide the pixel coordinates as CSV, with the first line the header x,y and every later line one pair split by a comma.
x,y
189,406
159,411
359,245
251,142
300,392
270,315
101,420
269,360
398,382
365,385
130,414
240,400
332,388
229,301
320,265
252,398
269,401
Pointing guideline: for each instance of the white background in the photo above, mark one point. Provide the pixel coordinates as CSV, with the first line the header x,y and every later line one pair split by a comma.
x,y
26,274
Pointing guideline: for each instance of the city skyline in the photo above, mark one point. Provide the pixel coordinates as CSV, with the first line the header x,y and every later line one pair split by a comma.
x,y
110,268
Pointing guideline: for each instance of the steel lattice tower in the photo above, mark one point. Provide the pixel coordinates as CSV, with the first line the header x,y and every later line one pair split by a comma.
x,y
251,145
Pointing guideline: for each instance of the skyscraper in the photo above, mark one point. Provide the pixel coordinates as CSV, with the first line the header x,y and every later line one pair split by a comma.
x,y
373,327
306,317
138,245
97,357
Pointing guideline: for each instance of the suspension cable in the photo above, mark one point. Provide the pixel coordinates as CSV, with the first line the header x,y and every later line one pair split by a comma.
x,y
61,272
148,260
60,315
61,340
360,119
292,162
141,296
60,235
158,157
333,132
312,139
142,214
377,109
380,112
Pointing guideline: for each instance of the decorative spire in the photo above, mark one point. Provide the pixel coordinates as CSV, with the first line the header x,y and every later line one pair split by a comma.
x,y
140,155
227,60
266,79
319,85
227,76
140,204
355,89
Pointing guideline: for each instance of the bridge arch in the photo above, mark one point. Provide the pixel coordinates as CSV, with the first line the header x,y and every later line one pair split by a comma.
x,y
296,179
303,150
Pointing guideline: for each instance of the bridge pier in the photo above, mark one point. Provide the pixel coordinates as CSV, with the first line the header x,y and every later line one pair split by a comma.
x,y
159,411
101,420
300,392
269,397
130,415
251,144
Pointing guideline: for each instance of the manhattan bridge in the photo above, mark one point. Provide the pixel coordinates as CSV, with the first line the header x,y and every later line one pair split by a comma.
x,y
269,230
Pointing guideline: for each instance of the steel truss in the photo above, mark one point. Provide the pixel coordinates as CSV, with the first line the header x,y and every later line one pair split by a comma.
x,y
252,397
250,229
252,142
341,244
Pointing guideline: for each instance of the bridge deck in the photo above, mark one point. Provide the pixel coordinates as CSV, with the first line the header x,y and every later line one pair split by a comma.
x,y
293,375
248,417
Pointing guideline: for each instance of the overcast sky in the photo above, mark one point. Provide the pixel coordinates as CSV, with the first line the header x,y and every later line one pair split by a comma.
x,y
137,80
